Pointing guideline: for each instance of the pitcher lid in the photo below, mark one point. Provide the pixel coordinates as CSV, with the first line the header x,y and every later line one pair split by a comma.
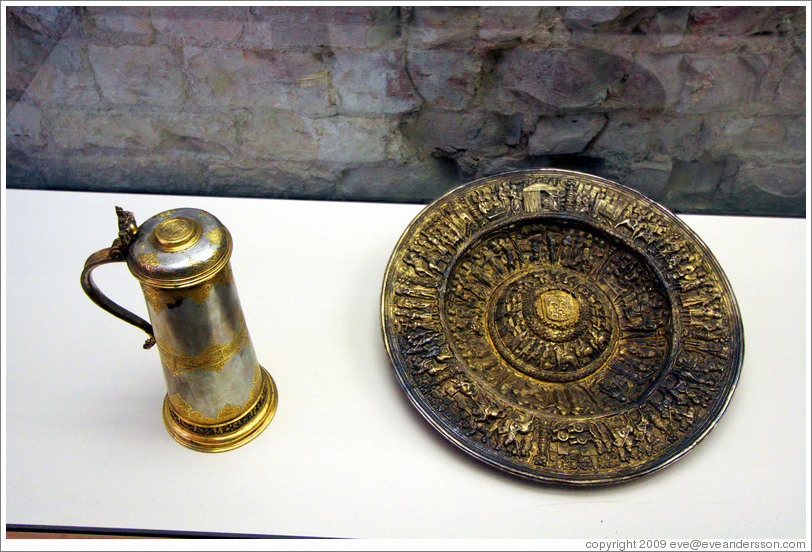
x,y
179,248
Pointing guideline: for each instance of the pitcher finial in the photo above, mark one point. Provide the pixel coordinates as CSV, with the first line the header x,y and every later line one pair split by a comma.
x,y
127,230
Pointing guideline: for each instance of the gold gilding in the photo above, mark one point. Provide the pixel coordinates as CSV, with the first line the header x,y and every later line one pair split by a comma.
x,y
171,254
196,272
201,293
166,214
160,298
185,411
256,383
148,259
219,436
213,357
178,273
177,233
215,236
157,298
561,327
228,412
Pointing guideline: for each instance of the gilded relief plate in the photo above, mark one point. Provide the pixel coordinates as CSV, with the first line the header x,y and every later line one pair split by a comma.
x,y
561,327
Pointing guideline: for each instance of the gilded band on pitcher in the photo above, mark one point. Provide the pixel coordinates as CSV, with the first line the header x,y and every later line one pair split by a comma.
x,y
218,396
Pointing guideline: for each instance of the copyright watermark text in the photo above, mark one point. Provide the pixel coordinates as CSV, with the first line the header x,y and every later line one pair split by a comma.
x,y
623,545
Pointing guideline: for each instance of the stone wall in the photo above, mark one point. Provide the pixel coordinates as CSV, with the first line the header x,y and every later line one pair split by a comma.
x,y
700,108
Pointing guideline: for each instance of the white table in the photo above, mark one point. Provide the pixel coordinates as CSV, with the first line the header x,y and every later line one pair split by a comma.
x,y
347,455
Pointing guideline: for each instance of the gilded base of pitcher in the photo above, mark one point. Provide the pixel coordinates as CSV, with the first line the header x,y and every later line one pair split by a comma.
x,y
228,435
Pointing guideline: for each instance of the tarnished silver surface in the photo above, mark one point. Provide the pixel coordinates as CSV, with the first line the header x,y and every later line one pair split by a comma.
x,y
179,264
208,360
561,327
218,396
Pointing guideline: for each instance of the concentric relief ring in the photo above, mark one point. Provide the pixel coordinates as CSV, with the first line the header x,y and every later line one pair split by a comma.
x,y
561,327
551,325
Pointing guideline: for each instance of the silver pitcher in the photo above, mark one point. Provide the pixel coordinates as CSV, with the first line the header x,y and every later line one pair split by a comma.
x,y
218,396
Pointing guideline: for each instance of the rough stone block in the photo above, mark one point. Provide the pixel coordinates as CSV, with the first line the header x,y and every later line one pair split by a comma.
x,y
281,179
768,134
637,89
277,135
750,137
577,17
363,26
257,32
259,79
315,27
25,53
158,132
205,133
723,134
285,27
638,137
21,170
554,136
730,20
145,75
559,78
665,70
784,181
438,26
510,161
724,82
422,179
666,26
372,83
209,26
65,78
101,129
352,139
445,78
791,91
387,30
692,184
117,25
347,27
650,178
457,134
177,174
49,21
795,139
500,23
24,127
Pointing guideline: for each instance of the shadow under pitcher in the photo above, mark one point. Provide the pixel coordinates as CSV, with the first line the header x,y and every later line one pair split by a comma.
x,y
218,396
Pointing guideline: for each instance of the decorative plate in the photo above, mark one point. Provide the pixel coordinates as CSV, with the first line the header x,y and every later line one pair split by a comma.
x,y
561,327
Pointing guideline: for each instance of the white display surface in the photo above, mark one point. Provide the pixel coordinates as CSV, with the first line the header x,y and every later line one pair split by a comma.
x,y
346,454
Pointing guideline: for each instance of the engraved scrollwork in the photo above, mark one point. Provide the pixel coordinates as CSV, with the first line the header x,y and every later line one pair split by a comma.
x,y
160,299
213,357
190,420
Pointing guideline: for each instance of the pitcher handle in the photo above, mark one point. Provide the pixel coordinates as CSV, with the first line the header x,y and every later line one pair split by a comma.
x,y
115,254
